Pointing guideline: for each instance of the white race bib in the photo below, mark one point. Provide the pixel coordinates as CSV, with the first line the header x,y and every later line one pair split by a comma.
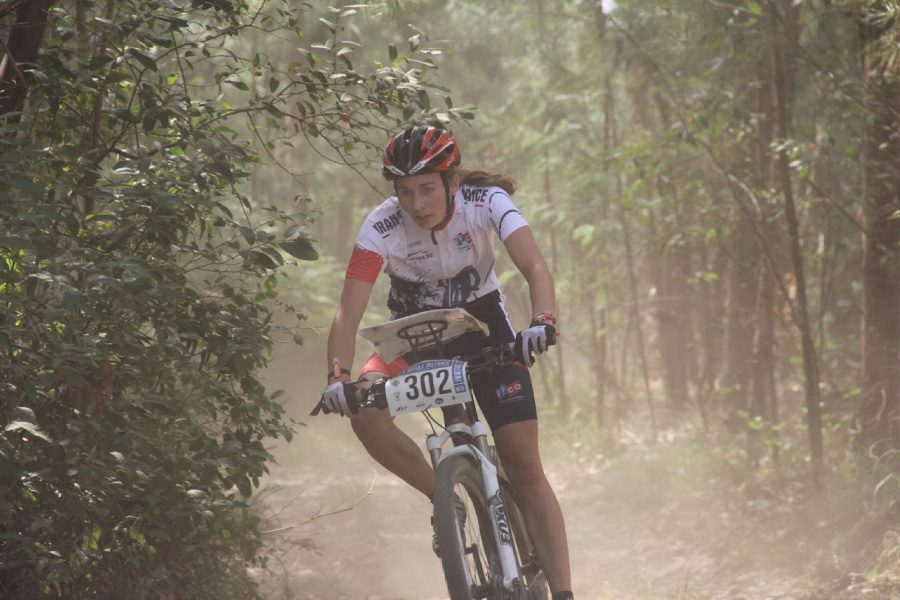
x,y
428,384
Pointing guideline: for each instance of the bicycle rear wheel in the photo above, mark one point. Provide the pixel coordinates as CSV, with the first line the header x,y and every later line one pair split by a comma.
x,y
468,550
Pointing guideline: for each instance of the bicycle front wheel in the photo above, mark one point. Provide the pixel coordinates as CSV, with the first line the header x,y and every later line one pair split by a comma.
x,y
464,530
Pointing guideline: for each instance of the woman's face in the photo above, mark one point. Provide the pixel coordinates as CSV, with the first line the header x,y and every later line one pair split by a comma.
x,y
422,197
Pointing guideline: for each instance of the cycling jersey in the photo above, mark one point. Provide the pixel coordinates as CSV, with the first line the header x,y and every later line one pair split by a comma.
x,y
453,266
450,267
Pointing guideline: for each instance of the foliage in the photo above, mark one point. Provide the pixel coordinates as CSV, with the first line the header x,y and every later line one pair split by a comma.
x,y
138,275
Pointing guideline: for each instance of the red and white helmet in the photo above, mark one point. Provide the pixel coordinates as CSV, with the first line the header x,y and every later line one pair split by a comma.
x,y
419,150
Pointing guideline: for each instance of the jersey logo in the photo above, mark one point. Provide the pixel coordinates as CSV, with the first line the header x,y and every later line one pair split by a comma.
x,y
420,255
475,195
463,242
385,225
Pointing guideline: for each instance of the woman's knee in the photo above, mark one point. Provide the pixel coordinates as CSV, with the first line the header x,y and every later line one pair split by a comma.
x,y
525,473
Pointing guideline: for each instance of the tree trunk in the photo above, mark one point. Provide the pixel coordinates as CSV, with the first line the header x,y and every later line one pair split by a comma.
x,y
22,48
636,314
740,319
810,360
879,412
554,257
671,272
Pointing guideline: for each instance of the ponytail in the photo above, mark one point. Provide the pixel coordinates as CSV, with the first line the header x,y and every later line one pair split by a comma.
x,y
478,178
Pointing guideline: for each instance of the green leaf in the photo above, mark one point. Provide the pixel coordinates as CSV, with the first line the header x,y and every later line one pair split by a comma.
x,y
25,414
29,428
145,60
266,258
301,248
243,486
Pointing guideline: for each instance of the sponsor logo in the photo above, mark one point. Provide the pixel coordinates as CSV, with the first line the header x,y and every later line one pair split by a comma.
x,y
475,195
385,225
506,390
420,255
502,522
463,242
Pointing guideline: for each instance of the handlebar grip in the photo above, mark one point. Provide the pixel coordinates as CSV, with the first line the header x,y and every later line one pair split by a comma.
x,y
351,393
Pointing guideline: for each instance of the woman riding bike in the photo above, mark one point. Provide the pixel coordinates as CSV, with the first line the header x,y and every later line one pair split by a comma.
x,y
433,239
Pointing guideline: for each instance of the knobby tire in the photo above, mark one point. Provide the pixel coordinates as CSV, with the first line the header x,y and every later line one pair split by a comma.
x,y
466,580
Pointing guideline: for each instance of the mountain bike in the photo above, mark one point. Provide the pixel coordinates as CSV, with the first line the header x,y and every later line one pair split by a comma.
x,y
485,548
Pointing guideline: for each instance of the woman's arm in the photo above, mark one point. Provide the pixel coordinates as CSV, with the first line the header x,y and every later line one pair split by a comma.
x,y
342,337
525,254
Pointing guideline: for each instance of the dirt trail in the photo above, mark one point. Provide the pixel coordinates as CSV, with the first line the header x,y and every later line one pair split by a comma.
x,y
624,546
627,541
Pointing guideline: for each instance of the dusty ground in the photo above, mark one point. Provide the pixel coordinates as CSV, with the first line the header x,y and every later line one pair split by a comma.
x,y
648,524
625,542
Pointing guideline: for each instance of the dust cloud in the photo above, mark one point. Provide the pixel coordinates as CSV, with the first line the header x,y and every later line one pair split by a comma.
x,y
638,529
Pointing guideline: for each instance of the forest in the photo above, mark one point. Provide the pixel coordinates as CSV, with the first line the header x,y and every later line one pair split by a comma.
x,y
715,185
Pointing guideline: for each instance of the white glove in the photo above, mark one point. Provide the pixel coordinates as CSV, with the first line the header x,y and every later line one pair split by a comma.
x,y
536,339
335,399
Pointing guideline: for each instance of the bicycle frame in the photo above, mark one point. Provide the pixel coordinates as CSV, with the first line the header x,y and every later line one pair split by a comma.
x,y
480,452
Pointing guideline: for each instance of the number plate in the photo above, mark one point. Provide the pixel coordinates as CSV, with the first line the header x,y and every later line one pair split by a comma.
x,y
428,384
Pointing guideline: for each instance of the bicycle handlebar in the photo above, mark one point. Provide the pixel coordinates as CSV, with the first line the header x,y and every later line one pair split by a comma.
x,y
490,358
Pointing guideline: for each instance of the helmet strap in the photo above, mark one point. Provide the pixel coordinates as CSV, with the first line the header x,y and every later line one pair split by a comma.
x,y
448,214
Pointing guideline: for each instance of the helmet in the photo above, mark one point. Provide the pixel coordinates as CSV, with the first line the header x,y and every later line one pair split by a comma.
x,y
419,150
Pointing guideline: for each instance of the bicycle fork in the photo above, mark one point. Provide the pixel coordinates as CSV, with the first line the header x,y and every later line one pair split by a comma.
x,y
480,452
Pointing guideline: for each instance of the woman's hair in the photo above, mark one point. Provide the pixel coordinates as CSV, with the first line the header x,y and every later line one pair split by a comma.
x,y
479,178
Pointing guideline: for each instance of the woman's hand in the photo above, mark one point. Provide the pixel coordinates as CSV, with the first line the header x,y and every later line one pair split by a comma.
x,y
335,398
534,340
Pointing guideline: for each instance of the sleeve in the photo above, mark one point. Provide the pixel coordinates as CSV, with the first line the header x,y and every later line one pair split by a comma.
x,y
364,264
367,257
502,215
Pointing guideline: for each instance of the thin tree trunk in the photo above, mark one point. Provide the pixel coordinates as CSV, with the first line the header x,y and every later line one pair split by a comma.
x,y
740,319
22,48
879,412
554,257
810,360
763,362
671,272
636,313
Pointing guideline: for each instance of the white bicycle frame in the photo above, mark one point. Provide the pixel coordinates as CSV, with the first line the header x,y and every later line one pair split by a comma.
x,y
480,453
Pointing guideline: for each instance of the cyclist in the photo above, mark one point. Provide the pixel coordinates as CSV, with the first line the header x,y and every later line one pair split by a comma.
x,y
434,240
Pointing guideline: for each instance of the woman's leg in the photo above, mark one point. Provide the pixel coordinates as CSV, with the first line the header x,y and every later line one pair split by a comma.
x,y
391,448
517,444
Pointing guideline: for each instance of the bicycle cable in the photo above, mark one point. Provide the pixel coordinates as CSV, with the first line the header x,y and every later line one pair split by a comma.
x,y
456,437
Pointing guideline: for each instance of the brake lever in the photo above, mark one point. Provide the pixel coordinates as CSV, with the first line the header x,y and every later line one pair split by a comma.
x,y
319,406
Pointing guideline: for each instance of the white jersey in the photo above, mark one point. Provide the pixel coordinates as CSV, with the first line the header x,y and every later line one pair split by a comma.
x,y
449,267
